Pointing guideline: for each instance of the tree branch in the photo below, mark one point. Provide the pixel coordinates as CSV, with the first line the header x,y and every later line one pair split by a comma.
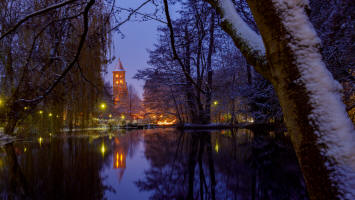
x,y
70,66
129,16
145,15
172,41
39,12
247,40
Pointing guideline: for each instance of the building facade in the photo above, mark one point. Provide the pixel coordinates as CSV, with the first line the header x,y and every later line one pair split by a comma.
x,y
120,92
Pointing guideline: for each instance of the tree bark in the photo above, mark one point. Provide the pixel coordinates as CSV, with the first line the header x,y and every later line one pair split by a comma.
x,y
321,132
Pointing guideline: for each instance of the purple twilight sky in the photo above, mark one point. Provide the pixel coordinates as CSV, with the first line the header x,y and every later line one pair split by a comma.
x,y
132,47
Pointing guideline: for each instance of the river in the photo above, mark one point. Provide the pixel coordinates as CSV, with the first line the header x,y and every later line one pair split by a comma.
x,y
152,164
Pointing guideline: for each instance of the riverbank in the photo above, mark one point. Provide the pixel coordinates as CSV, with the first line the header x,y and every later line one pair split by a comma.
x,y
257,126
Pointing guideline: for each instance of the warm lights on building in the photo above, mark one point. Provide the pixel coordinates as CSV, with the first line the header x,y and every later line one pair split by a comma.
x,y
166,122
120,92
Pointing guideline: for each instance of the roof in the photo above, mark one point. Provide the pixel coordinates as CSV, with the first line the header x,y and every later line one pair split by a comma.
x,y
119,66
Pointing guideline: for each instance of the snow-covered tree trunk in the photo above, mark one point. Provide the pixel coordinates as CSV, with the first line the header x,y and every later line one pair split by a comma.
x,y
288,55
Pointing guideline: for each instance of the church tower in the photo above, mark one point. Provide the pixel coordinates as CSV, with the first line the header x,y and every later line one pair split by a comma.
x,y
120,92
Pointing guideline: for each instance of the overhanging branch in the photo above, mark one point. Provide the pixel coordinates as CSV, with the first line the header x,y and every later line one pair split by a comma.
x,y
36,13
70,66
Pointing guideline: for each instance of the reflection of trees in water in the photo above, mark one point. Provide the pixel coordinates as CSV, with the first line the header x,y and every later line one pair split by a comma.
x,y
201,165
57,169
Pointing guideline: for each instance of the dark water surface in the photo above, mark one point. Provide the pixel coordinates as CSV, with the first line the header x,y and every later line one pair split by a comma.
x,y
151,164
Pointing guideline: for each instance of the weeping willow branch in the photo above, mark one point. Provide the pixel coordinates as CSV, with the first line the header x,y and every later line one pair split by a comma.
x,y
70,66
36,13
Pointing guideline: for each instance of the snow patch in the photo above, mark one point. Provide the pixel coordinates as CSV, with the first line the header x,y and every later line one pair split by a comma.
x,y
336,131
241,29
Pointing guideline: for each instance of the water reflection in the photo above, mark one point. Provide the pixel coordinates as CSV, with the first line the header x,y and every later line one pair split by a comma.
x,y
231,165
151,164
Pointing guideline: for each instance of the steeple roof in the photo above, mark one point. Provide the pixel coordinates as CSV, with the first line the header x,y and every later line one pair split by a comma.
x,y
119,66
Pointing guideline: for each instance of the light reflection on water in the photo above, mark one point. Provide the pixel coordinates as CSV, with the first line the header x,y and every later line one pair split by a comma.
x,y
151,164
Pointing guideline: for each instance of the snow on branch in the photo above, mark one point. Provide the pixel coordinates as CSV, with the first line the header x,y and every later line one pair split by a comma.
x,y
248,38
335,130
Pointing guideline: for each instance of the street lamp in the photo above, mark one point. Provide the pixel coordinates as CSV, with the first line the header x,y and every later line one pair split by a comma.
x,y
102,106
215,103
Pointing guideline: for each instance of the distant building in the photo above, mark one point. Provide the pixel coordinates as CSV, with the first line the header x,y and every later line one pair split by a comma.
x,y
120,92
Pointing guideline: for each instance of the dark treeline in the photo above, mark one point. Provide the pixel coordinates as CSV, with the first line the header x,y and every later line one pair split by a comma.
x,y
51,65
214,83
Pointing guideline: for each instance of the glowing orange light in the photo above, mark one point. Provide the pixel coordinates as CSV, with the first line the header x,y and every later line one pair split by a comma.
x,y
166,122
117,82
119,160
116,75
117,164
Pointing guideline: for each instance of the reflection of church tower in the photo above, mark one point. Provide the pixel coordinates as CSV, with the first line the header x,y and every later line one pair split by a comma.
x,y
120,93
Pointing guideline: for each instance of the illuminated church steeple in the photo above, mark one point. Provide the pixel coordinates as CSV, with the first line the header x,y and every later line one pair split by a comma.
x,y
120,92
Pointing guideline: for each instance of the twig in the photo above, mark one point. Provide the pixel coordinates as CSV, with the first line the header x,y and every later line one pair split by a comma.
x,y
129,16
172,41
70,66
39,12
